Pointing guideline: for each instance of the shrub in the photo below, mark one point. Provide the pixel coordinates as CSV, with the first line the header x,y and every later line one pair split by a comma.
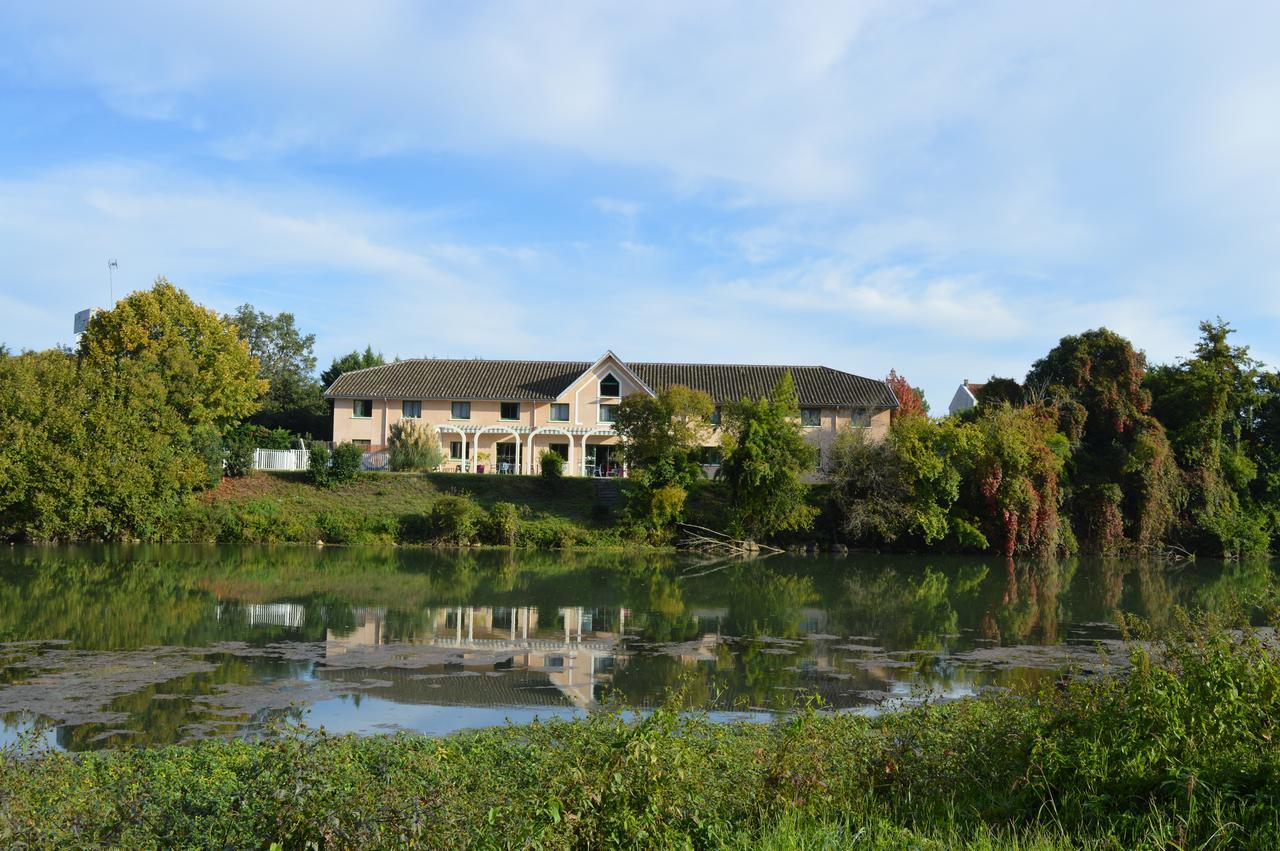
x,y
552,465
502,524
345,462
413,446
454,520
240,448
551,533
318,464
666,506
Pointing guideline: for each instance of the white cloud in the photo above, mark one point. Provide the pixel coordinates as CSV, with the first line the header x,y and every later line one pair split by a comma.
x,y
348,270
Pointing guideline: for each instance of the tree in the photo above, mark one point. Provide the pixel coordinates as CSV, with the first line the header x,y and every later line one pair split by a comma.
x,y
998,391
766,455
1125,484
105,443
160,335
870,490
1207,403
910,399
294,398
1016,484
662,435
349,362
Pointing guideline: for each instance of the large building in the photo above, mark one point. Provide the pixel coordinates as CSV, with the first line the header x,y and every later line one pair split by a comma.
x,y
499,416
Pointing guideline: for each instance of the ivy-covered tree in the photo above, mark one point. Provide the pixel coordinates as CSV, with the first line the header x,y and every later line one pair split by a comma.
x,y
1125,484
765,457
1207,403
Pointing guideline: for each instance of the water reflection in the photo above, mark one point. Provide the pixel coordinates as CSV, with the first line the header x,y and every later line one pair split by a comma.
x,y
106,647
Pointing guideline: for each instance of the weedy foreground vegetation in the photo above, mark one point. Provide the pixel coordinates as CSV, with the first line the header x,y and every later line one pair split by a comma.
x,y
1178,752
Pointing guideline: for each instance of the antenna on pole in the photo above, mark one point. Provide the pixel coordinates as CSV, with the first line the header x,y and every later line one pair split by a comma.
x,y
112,265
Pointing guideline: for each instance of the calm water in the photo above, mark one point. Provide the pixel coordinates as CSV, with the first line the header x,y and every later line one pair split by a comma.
x,y
111,647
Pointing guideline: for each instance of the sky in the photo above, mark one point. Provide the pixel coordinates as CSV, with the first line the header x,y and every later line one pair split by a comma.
x,y
941,188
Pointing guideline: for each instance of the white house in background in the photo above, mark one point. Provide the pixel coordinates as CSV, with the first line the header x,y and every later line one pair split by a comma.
x,y
966,397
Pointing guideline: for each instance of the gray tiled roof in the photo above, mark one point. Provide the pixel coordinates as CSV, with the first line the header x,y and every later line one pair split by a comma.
x,y
543,381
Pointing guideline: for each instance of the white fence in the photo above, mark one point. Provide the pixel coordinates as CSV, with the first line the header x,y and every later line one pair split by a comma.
x,y
280,459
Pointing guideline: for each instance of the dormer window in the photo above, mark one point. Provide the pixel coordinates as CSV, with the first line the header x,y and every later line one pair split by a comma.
x,y
609,386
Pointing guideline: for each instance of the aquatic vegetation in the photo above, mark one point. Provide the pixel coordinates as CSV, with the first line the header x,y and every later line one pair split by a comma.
x,y
1180,752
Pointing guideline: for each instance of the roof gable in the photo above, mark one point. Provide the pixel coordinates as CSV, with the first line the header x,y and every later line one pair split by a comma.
x,y
611,363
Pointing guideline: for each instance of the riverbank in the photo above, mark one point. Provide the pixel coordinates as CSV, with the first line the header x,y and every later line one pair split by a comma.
x,y
412,508
1181,753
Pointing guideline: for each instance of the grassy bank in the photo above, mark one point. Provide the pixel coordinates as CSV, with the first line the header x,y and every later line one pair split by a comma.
x,y
408,508
1181,753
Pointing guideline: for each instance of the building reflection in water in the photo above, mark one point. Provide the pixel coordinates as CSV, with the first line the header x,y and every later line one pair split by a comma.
x,y
488,656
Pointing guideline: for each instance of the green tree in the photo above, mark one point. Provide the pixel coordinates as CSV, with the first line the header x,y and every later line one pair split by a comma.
x,y
663,435
1125,485
1208,403
294,398
997,391
163,337
766,456
871,494
349,362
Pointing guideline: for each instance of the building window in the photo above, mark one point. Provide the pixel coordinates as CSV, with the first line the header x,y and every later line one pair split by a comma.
x,y
609,386
455,450
608,413
560,413
861,418
810,417
715,416
460,410
561,449
710,456
510,411
411,409
362,408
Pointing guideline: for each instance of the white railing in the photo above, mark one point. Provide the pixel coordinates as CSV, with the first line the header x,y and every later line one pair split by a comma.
x,y
280,459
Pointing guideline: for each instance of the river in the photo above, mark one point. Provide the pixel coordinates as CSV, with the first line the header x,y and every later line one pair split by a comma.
x,y
148,645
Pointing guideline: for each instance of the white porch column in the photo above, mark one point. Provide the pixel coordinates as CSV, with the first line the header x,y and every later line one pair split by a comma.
x,y
531,470
475,447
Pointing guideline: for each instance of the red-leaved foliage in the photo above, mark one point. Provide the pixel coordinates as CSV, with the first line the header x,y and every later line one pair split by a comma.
x,y
910,401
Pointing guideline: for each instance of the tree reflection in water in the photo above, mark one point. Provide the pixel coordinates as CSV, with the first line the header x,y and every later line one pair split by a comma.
x,y
560,629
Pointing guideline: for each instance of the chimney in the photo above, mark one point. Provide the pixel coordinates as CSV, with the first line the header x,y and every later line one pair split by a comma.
x,y
966,382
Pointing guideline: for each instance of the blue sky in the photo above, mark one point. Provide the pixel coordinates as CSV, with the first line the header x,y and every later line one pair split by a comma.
x,y
945,188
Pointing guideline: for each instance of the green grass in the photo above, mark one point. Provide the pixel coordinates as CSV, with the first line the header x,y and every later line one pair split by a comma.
x,y
384,508
1181,753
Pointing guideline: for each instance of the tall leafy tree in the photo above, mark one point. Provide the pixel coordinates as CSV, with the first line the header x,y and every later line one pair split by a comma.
x,y
104,443
350,362
160,335
1208,404
766,456
294,398
1126,487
